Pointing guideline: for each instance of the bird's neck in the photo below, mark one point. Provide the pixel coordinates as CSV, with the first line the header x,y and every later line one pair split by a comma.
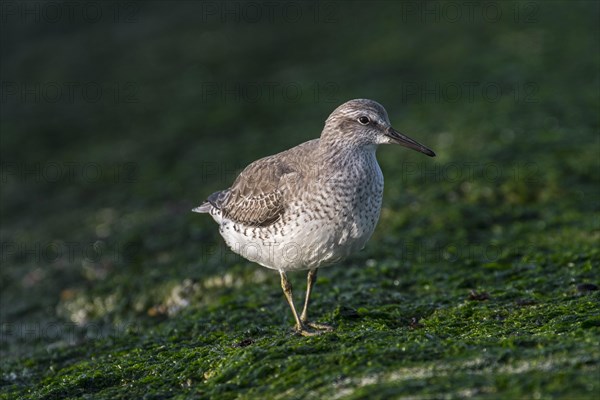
x,y
340,152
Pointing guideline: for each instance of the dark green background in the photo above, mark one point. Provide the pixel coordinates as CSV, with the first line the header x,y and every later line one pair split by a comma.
x,y
118,117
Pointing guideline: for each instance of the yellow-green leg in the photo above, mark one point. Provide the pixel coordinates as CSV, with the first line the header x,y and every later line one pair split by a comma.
x,y
302,326
310,281
286,285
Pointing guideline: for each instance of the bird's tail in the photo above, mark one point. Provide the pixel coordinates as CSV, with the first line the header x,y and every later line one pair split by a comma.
x,y
213,201
203,208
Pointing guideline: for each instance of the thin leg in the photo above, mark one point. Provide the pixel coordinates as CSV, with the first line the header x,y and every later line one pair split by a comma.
x,y
310,281
287,291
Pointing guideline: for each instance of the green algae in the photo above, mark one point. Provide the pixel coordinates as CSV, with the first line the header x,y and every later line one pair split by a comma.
x,y
480,281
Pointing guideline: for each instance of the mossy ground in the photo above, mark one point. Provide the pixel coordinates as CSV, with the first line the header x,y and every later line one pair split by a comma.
x,y
480,281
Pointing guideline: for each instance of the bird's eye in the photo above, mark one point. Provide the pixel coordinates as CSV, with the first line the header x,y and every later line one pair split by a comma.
x,y
364,120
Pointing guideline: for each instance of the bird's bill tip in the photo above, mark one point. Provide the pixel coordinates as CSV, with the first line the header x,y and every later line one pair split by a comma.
x,y
427,151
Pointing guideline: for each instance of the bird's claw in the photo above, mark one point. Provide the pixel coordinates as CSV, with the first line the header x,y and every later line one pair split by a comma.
x,y
317,329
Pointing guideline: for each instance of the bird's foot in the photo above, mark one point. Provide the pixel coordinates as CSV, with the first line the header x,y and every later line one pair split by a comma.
x,y
312,329
320,327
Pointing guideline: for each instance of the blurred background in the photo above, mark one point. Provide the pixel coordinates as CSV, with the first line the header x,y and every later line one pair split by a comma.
x,y
118,117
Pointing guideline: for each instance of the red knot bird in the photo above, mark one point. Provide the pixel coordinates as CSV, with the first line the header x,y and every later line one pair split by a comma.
x,y
312,205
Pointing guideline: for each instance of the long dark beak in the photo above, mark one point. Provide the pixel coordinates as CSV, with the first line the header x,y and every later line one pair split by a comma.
x,y
405,141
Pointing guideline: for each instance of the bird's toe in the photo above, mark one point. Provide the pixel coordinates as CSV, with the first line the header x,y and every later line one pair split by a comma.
x,y
311,328
320,327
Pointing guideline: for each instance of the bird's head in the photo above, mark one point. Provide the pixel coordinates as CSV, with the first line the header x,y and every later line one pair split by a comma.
x,y
363,122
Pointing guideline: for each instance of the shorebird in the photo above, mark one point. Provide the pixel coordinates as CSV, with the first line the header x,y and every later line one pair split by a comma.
x,y
312,205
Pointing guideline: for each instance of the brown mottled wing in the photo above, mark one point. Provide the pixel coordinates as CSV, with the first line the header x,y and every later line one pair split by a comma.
x,y
256,196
